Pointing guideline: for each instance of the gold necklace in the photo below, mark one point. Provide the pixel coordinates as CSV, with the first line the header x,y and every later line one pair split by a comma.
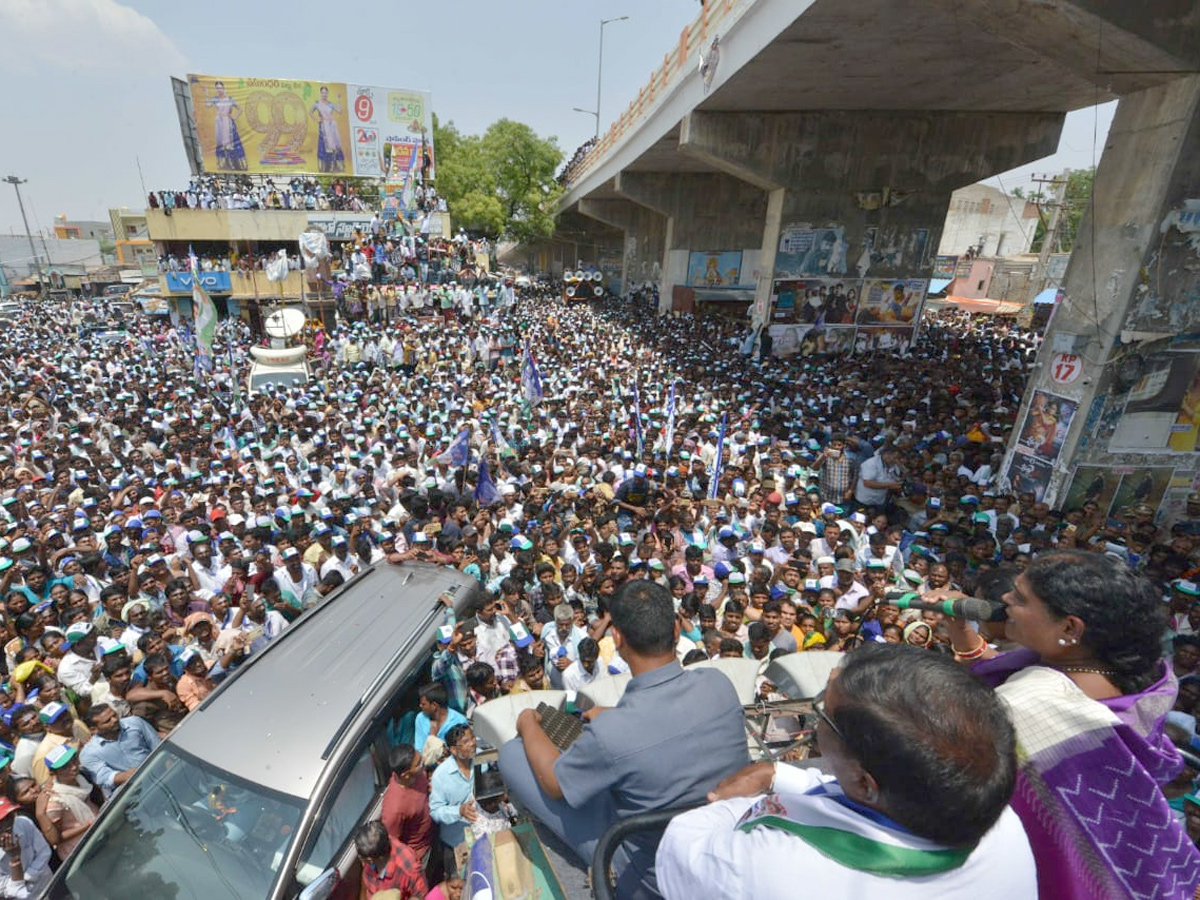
x,y
1087,670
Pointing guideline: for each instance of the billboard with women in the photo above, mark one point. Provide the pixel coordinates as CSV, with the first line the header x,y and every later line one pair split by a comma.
x,y
283,127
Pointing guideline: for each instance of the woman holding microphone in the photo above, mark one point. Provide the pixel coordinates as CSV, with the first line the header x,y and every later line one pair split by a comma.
x,y
1088,692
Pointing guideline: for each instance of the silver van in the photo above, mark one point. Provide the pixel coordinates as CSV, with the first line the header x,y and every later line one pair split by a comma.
x,y
256,794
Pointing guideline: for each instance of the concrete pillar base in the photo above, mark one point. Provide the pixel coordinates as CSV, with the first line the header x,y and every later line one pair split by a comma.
x,y
1132,288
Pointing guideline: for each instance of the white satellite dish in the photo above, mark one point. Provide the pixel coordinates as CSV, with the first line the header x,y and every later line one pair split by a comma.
x,y
284,323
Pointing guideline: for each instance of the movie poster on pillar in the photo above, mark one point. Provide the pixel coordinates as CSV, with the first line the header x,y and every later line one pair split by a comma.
x,y
1028,474
817,301
1092,484
882,339
1046,425
891,301
714,268
806,251
1040,442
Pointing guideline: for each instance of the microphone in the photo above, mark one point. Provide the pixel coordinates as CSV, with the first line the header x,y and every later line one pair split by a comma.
x,y
958,608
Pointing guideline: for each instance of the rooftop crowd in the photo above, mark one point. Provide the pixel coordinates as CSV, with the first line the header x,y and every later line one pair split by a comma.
x,y
155,535
246,192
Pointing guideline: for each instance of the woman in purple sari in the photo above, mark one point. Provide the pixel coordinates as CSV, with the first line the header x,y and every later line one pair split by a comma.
x,y
1088,692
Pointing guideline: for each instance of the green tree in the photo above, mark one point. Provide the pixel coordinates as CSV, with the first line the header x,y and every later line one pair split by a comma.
x,y
524,167
500,183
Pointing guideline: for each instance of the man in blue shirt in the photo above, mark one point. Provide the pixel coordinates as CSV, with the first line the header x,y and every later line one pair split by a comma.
x,y
152,644
117,748
673,736
450,792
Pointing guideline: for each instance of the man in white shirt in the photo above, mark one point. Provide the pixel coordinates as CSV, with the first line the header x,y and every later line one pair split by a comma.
x,y
78,667
845,584
921,764
584,670
295,578
562,643
202,563
341,561
492,633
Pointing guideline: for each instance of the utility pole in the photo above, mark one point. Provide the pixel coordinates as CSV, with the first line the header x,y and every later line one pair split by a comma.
x,y
1059,190
16,183
599,74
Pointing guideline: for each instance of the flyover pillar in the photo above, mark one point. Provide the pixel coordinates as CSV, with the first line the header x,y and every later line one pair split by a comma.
x,y
855,201
1112,410
703,212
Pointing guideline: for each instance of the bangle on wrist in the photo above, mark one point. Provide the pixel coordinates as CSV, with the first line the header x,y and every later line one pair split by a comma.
x,y
969,655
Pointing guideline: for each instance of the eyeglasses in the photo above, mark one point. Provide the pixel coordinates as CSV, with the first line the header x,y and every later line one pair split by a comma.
x,y
819,709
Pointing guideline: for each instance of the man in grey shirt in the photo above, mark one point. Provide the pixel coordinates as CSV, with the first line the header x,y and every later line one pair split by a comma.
x,y
673,736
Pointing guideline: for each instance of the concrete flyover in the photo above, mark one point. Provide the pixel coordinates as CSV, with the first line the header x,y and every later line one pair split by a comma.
x,y
785,145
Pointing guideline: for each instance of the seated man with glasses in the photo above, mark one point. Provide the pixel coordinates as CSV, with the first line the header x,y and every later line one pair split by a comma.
x,y
921,764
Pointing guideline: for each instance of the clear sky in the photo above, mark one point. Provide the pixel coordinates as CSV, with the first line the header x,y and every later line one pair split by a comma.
x,y
87,92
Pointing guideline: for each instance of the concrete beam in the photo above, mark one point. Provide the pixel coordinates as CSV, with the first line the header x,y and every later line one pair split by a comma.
x,y
863,151
1119,45
653,190
711,210
680,193
615,213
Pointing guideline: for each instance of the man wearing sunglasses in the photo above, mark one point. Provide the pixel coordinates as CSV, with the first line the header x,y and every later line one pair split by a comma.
x,y
919,764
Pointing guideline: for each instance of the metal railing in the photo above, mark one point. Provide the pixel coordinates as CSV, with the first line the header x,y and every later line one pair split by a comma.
x,y
677,62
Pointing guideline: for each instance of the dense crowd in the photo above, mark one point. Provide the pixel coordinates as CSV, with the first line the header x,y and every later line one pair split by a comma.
x,y
155,535
262,192
245,192
571,169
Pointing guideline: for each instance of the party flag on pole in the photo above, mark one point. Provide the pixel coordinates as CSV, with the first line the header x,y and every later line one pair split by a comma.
x,y
718,463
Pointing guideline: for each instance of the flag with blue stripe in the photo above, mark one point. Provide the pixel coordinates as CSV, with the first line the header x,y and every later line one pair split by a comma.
x,y
531,379
719,462
670,432
498,440
486,492
459,451
637,419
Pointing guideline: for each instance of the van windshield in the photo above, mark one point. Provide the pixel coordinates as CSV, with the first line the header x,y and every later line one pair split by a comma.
x,y
183,829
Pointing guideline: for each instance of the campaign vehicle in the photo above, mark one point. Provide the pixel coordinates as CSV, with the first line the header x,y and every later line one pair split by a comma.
x,y
258,791
582,285
272,367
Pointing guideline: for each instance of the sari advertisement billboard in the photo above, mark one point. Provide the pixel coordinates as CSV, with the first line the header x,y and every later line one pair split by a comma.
x,y
282,127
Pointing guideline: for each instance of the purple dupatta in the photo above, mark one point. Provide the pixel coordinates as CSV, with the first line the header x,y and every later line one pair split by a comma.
x,y
1088,789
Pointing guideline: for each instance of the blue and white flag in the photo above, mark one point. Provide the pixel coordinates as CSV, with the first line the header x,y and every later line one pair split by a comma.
x,y
669,435
531,379
498,440
637,419
486,492
459,451
719,461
